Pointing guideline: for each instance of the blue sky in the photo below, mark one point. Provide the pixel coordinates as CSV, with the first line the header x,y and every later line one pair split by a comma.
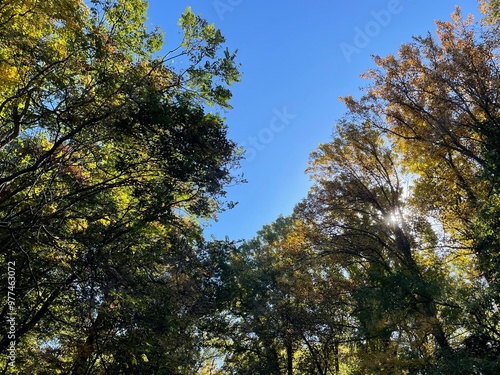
x,y
298,57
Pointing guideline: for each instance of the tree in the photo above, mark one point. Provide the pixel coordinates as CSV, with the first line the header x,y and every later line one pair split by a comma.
x,y
358,218
437,103
108,158
287,313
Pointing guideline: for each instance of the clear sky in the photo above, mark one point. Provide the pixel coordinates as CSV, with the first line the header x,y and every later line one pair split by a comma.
x,y
298,57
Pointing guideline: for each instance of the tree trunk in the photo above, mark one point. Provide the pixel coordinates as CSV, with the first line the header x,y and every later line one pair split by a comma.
x,y
86,349
336,356
289,359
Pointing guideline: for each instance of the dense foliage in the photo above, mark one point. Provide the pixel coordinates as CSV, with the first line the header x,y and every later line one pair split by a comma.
x,y
109,157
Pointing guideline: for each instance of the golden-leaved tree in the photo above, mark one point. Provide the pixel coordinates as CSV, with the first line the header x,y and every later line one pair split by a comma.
x,y
437,101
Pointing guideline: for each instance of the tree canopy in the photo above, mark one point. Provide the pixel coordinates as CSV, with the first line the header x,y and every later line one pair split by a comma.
x,y
110,156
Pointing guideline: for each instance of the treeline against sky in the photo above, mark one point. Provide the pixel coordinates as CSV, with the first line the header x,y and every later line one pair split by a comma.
x,y
110,157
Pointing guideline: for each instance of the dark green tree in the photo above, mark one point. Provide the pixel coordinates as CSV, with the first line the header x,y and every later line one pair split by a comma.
x,y
108,159
288,314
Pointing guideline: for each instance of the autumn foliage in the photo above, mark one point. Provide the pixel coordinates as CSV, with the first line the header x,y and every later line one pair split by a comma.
x,y
110,158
